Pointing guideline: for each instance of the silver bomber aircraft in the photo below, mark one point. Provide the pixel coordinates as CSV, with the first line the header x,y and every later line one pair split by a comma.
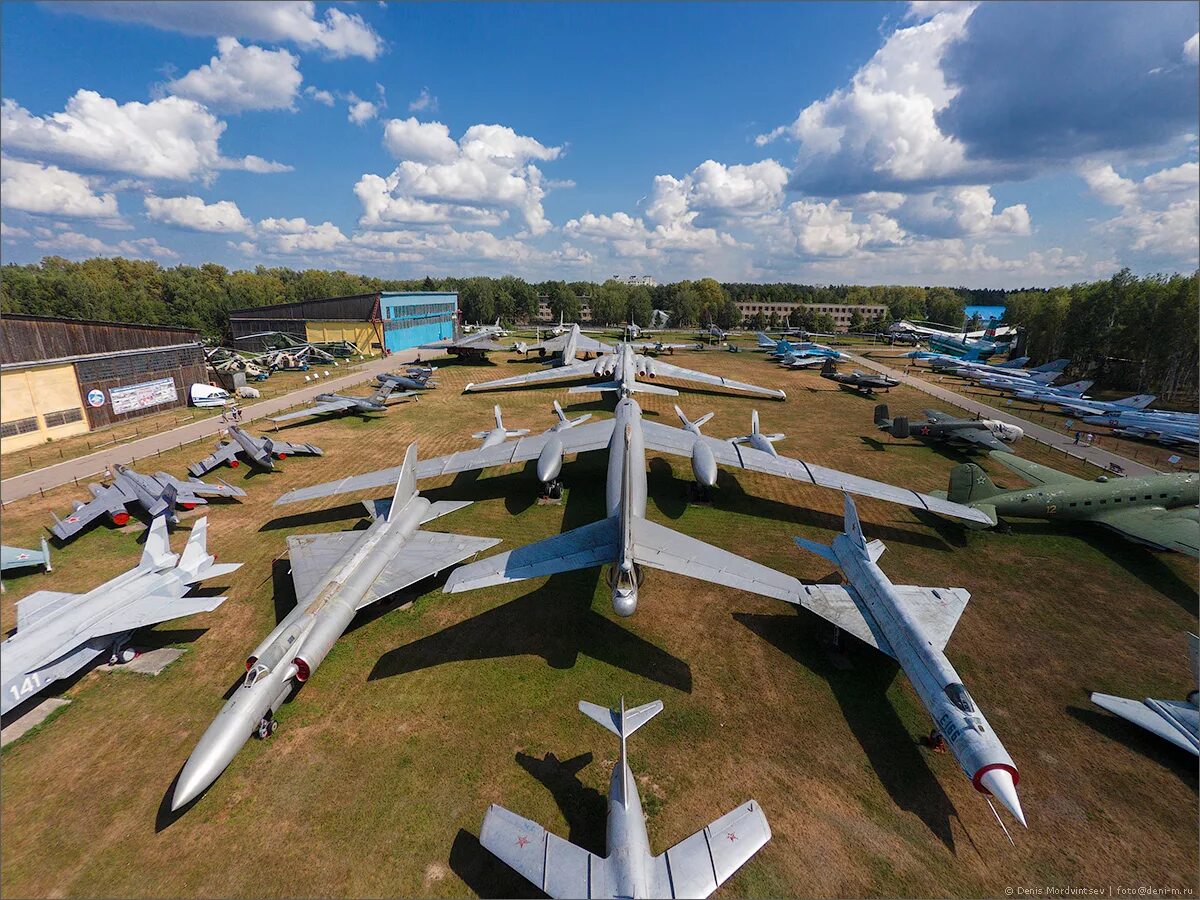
x,y
159,495
335,576
694,868
912,625
260,452
60,633
622,368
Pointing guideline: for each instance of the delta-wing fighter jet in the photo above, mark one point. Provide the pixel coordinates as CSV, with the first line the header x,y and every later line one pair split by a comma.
x,y
621,369
59,633
867,382
338,404
159,495
988,434
1157,510
912,625
695,867
260,452
335,576
1173,720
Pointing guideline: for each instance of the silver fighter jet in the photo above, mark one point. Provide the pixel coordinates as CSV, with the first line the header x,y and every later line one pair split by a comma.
x,y
260,452
912,625
335,576
1173,720
331,404
59,633
159,495
621,368
695,867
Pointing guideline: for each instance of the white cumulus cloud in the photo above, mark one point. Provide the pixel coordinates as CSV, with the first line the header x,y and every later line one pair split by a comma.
x,y
1160,215
51,191
171,138
222,217
76,245
240,78
337,33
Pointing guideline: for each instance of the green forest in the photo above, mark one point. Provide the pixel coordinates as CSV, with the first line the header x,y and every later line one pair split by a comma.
x,y
1128,332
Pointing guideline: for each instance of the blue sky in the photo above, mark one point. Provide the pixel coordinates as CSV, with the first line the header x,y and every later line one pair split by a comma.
x,y
979,144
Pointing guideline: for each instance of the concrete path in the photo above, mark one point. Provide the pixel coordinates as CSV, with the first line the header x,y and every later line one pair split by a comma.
x,y
27,720
95,463
1059,440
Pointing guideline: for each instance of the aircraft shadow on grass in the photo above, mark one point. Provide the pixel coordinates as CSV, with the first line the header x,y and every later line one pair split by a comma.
x,y
555,621
861,692
1151,746
483,873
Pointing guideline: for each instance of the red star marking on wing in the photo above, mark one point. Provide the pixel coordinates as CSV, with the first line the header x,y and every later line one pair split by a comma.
x,y
522,841
72,518
22,556
731,836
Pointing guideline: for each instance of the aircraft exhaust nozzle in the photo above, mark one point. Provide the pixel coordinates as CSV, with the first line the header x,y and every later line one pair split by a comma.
x,y
1000,783
900,427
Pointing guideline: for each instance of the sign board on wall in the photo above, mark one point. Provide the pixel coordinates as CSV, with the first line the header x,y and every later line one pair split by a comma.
x,y
142,396
95,398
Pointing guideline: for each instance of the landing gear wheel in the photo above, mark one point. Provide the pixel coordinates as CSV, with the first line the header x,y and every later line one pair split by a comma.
x,y
266,727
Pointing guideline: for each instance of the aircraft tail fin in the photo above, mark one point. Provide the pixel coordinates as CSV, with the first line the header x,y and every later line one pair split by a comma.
x,y
156,554
569,423
970,484
406,484
882,417
196,562
1138,401
622,722
1044,377
692,426
1057,366
1077,387
852,526
829,366
169,497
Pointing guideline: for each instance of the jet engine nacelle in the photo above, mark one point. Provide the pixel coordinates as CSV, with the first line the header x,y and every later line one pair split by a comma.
x,y
704,465
118,517
550,460
327,628
233,463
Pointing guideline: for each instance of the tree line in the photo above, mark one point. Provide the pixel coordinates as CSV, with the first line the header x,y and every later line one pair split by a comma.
x,y
1129,332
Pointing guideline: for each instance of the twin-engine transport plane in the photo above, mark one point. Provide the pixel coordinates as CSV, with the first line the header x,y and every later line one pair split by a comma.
x,y
695,867
159,495
335,575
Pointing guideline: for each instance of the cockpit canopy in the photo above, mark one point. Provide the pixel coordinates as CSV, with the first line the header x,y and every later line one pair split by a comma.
x,y
257,671
959,697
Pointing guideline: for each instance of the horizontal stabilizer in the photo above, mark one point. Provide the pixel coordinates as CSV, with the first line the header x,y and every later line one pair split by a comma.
x,y
700,864
621,723
936,610
822,550
1141,714
551,864
662,548
593,388
581,548
424,554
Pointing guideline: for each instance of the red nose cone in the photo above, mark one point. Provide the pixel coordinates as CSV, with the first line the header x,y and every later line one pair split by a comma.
x,y
233,464
283,456
188,505
121,518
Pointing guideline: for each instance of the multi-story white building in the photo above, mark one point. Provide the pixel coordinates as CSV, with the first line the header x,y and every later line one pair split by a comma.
x,y
636,280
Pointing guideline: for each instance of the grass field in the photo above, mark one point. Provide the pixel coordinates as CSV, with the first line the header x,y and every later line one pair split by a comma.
x,y
433,706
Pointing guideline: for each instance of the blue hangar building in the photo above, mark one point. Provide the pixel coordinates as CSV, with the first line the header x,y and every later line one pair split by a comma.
x,y
391,320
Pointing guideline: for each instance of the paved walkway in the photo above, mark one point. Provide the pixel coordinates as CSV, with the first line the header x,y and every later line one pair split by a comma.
x,y
1059,440
94,463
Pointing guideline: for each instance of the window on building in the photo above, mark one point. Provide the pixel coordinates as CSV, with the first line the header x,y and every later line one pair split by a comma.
x,y
18,426
62,417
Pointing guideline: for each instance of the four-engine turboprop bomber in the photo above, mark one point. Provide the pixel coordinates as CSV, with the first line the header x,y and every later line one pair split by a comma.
x,y
59,633
990,434
260,452
159,495
622,368
695,867
1157,510
332,404
335,576
912,625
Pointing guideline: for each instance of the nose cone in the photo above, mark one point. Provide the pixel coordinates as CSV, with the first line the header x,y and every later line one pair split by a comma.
x,y
215,750
1003,788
